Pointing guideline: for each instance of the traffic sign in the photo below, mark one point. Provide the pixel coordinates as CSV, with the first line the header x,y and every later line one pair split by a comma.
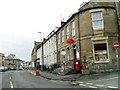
x,y
116,45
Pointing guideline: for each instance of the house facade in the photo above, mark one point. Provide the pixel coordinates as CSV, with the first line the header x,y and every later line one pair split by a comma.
x,y
50,51
98,32
34,58
68,52
2,59
39,60
17,63
86,37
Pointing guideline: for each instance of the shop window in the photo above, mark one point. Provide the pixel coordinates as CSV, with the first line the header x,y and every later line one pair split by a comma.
x,y
101,52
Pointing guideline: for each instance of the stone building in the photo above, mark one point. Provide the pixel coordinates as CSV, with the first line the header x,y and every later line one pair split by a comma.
x,y
12,61
93,30
98,32
68,52
34,55
118,14
17,63
2,58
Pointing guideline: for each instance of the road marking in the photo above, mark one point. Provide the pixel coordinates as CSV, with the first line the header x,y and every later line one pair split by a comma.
x,y
10,78
73,83
112,87
89,83
92,87
80,82
82,85
103,79
98,85
11,84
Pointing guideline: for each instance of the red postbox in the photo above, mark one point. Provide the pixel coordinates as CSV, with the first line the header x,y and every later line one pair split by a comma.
x,y
77,65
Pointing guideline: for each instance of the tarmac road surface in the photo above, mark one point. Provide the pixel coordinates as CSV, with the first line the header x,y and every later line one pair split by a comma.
x,y
23,79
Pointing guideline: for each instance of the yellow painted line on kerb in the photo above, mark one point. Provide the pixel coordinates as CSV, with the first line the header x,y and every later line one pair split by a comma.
x,y
103,79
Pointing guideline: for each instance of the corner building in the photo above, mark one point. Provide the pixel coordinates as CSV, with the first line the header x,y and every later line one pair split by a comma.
x,y
98,31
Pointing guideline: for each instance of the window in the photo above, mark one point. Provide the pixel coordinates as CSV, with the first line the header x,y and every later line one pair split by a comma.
x,y
62,35
63,56
100,52
68,53
73,28
59,38
67,32
97,20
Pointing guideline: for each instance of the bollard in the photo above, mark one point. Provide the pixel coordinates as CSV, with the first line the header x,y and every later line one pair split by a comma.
x,y
37,73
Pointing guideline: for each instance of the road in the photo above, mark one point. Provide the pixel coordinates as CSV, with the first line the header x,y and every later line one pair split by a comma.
x,y
0,80
109,80
24,79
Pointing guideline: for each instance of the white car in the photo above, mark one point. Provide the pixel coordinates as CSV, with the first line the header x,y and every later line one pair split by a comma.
x,y
2,68
6,68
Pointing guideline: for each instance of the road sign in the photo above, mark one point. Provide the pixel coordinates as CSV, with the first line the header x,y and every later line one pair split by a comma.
x,y
116,45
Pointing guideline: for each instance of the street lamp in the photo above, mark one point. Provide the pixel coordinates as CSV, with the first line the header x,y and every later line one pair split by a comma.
x,y
41,44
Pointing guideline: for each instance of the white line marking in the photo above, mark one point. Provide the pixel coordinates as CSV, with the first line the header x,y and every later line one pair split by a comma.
x,y
89,83
99,85
82,85
92,87
11,84
103,79
10,78
73,83
112,87
80,82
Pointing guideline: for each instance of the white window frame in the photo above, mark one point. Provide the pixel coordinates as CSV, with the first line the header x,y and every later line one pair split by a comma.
x,y
97,20
73,28
100,42
63,35
67,31
58,37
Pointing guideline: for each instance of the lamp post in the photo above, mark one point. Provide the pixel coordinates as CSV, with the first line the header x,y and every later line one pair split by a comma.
x,y
41,45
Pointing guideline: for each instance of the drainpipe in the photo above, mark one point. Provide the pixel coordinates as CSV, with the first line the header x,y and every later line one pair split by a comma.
x,y
79,40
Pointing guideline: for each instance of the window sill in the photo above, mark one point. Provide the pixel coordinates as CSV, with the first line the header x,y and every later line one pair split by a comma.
x,y
107,61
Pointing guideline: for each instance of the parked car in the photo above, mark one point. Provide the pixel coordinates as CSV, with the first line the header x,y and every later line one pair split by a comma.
x,y
5,68
2,68
20,68
12,67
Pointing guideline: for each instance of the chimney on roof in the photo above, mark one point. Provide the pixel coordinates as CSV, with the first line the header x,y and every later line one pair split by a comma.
x,y
62,21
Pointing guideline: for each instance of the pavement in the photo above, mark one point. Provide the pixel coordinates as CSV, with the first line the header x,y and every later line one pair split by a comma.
x,y
75,77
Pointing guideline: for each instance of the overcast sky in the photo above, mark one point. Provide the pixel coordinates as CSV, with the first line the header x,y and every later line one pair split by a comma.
x,y
21,20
